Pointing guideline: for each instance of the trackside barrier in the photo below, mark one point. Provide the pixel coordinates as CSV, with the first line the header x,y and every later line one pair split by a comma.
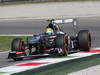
x,y
2,1
52,66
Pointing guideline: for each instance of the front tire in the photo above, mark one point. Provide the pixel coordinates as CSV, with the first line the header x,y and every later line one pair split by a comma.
x,y
17,45
62,42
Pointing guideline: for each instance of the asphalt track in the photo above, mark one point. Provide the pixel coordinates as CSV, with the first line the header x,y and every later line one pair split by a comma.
x,y
37,26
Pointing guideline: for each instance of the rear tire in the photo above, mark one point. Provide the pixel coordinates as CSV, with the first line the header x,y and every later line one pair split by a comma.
x,y
62,42
84,40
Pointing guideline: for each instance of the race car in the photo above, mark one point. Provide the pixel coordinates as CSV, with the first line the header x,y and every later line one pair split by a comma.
x,y
53,41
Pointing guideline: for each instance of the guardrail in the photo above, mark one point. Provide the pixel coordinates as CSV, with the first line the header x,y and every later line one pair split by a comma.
x,y
2,1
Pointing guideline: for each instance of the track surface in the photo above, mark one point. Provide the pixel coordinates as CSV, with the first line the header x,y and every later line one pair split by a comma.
x,y
37,26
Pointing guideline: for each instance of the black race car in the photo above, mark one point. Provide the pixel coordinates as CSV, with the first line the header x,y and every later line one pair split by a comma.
x,y
54,41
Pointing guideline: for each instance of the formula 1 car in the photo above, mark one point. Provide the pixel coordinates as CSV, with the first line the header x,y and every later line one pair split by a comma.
x,y
54,41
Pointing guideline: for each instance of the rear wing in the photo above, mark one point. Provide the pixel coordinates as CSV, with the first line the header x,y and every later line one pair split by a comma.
x,y
66,21
73,21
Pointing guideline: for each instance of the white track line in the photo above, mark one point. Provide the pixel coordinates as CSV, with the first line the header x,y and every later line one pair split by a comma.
x,y
15,69
95,48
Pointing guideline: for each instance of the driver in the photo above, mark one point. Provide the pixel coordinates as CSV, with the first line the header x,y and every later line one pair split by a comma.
x,y
54,27
49,31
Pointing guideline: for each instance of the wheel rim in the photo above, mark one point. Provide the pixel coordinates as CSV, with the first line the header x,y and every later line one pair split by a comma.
x,y
22,45
89,41
65,49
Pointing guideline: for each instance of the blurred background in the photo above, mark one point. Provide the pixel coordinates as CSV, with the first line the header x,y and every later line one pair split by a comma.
x,y
2,1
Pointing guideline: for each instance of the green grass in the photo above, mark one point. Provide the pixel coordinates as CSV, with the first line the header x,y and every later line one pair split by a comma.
x,y
5,42
32,2
2,73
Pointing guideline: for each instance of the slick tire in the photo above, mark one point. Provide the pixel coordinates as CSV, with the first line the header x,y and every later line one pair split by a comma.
x,y
84,40
62,42
18,45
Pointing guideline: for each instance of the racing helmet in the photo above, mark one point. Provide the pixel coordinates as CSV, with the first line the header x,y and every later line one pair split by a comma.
x,y
49,30
50,25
